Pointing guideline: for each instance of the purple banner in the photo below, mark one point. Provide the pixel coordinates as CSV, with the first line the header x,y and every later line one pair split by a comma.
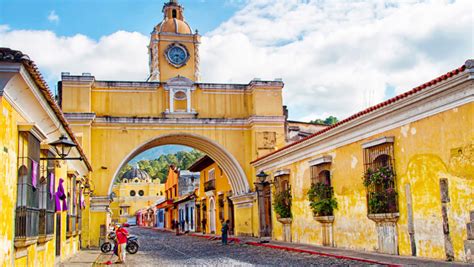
x,y
34,173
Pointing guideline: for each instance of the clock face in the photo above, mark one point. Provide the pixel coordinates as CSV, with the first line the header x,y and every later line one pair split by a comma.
x,y
177,55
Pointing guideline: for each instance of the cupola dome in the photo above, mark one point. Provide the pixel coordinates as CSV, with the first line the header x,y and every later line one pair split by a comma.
x,y
173,21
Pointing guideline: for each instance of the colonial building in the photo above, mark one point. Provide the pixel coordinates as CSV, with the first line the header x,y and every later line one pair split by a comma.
x,y
43,191
232,123
395,178
213,203
134,191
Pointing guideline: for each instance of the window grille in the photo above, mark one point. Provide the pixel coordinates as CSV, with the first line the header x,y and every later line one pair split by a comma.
x,y
382,196
27,208
46,195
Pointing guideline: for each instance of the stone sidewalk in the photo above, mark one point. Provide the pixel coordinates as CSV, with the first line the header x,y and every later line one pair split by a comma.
x,y
368,257
96,258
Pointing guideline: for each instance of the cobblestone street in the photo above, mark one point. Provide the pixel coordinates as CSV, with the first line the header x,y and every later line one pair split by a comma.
x,y
164,248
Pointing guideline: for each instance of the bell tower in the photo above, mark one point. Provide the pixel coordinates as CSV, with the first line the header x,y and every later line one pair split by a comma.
x,y
174,48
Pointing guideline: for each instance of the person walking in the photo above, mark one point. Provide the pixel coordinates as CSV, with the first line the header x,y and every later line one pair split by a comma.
x,y
203,222
122,235
225,231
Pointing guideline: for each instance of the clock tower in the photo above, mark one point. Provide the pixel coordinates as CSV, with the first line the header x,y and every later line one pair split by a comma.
x,y
173,48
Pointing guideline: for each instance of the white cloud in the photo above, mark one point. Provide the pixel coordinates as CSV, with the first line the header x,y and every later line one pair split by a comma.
x,y
119,56
335,57
338,57
53,17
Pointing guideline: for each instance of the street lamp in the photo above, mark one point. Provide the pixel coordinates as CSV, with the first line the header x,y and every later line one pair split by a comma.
x,y
63,146
262,176
263,192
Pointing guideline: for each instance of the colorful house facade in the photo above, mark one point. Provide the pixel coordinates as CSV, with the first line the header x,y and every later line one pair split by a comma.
x,y
401,173
43,195
213,202
133,191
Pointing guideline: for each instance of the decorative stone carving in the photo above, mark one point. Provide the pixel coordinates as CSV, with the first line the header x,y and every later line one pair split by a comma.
x,y
197,72
386,224
327,232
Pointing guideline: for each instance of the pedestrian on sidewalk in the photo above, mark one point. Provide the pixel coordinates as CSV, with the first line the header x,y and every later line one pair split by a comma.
x,y
121,234
225,231
182,223
203,222
176,226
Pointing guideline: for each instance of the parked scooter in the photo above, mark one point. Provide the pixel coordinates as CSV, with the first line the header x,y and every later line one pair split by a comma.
x,y
111,243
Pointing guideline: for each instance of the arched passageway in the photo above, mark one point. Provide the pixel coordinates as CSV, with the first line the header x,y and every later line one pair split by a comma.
x,y
237,179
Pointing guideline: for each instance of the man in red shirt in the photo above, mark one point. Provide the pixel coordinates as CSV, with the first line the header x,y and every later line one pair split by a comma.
x,y
121,234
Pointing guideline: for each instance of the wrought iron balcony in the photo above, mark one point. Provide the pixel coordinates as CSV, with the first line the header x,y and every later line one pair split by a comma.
x,y
210,185
46,225
70,225
26,226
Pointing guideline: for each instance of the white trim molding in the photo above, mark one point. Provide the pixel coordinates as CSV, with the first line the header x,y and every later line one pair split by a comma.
x,y
320,160
33,129
378,141
281,172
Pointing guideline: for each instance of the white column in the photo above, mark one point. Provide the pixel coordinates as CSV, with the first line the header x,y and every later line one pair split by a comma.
x,y
188,100
171,100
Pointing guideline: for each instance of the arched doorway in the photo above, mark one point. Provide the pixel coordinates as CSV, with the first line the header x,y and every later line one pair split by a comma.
x,y
212,216
237,178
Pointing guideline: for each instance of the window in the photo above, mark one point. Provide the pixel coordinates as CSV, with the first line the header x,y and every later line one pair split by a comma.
x,y
321,174
180,95
379,176
173,13
46,195
212,175
141,193
132,193
27,207
72,196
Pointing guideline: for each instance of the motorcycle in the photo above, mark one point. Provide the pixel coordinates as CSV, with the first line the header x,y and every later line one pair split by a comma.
x,y
111,243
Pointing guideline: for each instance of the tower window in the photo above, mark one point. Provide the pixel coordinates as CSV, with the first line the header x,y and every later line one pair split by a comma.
x,y
173,13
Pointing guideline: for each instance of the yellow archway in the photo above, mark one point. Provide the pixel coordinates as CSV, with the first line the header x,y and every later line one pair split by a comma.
x,y
237,178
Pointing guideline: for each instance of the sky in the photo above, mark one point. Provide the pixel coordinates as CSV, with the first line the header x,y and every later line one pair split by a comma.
x,y
335,57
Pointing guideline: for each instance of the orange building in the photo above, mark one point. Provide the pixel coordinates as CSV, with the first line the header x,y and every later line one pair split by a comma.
x,y
171,193
213,203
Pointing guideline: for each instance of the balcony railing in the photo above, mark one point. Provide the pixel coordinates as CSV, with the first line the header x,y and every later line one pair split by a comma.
x,y
46,225
210,185
79,223
46,222
26,226
70,225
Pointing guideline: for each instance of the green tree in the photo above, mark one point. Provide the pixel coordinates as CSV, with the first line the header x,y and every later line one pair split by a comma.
x,y
158,168
328,121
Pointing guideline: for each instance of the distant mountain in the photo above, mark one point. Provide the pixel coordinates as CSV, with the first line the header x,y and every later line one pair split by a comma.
x,y
156,152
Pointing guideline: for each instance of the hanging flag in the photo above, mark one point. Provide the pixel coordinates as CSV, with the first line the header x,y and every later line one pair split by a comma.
x,y
51,185
34,173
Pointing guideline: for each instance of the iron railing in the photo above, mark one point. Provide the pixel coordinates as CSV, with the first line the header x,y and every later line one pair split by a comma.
x,y
26,222
70,224
46,222
210,185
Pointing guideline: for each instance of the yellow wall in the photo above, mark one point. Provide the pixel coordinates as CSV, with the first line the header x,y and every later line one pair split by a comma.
x,y
439,146
152,192
8,169
222,187
37,254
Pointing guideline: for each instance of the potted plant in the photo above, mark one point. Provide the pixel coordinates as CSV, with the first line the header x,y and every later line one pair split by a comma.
x,y
381,193
322,201
282,205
